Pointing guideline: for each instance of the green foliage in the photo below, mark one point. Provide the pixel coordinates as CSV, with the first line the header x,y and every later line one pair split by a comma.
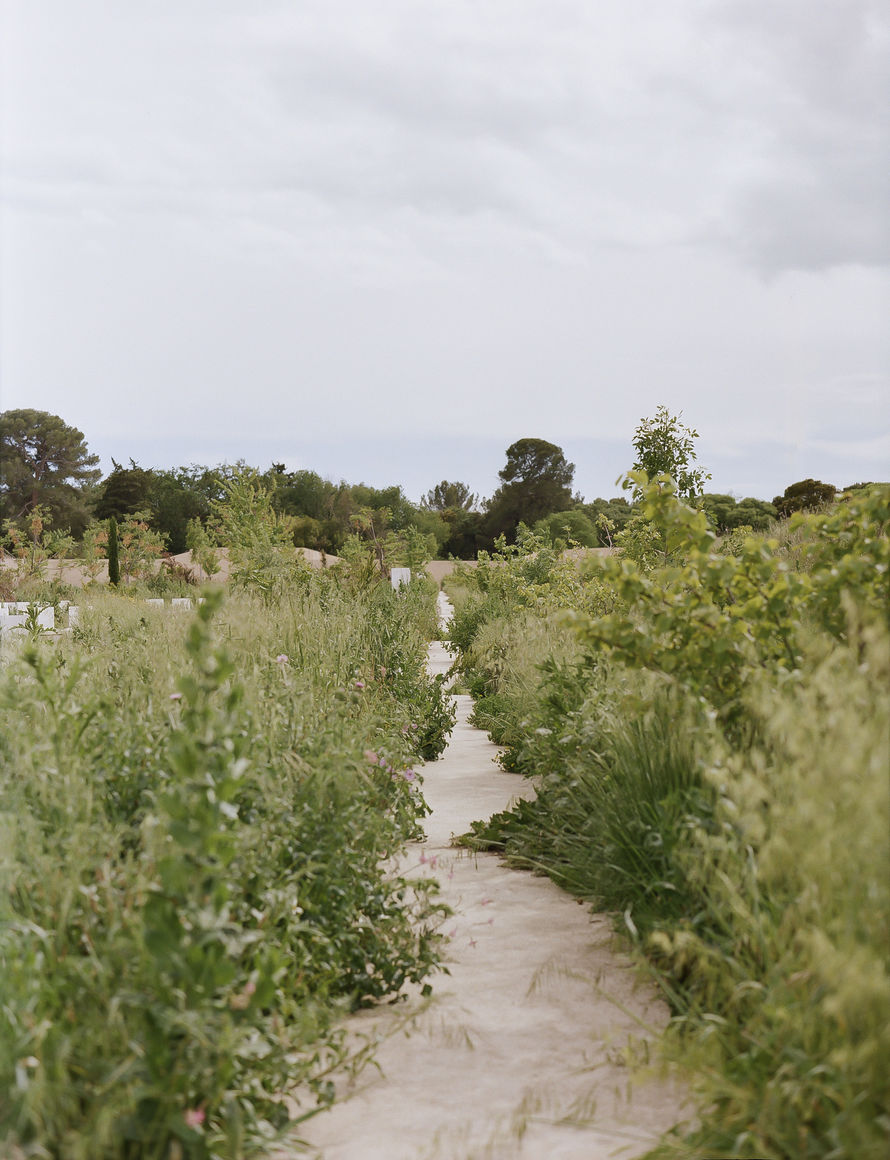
x,y
33,542
205,552
665,446
259,539
781,979
567,529
806,495
448,496
728,514
711,765
608,516
193,833
535,481
139,547
44,462
705,619
125,491
114,565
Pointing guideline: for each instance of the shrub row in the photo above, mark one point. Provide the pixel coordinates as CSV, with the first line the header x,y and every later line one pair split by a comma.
x,y
195,818
710,739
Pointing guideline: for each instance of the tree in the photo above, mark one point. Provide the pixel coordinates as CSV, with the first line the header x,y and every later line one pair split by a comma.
x,y
535,481
806,495
562,529
609,516
114,566
184,494
448,496
44,462
140,546
727,513
125,491
665,446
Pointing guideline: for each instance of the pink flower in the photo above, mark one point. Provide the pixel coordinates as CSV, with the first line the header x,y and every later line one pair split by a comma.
x,y
359,684
409,775
371,756
176,696
282,659
194,1117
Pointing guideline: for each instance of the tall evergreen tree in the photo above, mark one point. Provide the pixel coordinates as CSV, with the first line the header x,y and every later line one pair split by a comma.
x,y
114,562
44,462
536,480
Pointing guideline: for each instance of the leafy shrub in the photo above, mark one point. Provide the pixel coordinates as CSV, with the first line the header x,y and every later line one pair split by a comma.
x,y
713,768
192,840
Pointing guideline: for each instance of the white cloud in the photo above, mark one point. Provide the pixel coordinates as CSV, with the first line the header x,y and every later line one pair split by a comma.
x,y
547,215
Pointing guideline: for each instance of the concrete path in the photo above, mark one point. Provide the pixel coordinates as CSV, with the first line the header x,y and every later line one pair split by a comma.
x,y
520,1054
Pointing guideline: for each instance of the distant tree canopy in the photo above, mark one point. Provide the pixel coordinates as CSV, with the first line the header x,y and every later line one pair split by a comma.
x,y
448,496
806,495
608,516
48,474
664,446
566,528
726,513
124,491
536,481
45,462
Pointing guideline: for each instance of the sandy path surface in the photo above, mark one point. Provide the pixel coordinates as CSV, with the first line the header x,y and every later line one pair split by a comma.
x,y
519,1054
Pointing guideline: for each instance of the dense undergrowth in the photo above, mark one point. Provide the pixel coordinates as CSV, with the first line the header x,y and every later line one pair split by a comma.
x,y
196,811
709,729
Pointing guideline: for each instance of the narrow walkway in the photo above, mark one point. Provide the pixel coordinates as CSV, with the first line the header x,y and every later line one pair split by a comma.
x,y
519,1055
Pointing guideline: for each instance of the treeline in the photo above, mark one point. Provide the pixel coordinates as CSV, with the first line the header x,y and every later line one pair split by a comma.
x,y
46,468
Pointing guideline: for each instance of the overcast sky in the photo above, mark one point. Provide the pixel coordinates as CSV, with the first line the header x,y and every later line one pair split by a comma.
x,y
384,240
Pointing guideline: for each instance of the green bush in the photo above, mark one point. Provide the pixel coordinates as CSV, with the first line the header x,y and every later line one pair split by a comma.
x,y
711,766
195,817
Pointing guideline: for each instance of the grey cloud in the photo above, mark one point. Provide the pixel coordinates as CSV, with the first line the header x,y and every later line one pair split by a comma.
x,y
814,112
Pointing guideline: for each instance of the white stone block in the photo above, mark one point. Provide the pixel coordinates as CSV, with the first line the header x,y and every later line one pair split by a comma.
x,y
400,576
46,618
181,603
73,616
155,602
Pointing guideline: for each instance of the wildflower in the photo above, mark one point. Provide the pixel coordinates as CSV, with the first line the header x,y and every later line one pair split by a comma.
x,y
409,774
359,684
194,1117
241,1001
176,696
282,659
371,756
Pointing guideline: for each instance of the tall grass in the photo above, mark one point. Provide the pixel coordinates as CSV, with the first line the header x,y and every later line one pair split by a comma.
x,y
713,766
195,813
